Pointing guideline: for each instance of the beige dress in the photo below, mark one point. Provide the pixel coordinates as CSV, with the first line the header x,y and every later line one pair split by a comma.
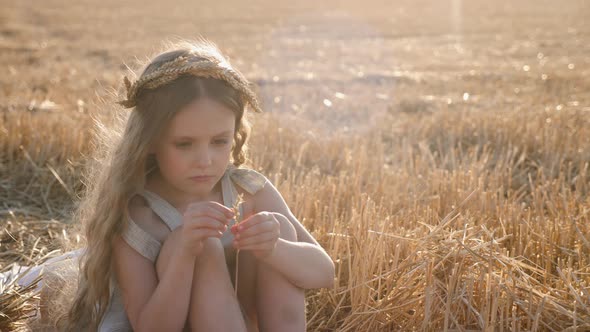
x,y
115,318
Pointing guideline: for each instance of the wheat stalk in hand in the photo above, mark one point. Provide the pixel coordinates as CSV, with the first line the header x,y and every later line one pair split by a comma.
x,y
236,209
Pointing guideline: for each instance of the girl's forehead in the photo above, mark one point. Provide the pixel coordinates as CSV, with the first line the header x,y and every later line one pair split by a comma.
x,y
203,117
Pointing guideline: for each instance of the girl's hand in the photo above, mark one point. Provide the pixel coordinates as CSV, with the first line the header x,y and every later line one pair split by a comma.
x,y
200,221
258,233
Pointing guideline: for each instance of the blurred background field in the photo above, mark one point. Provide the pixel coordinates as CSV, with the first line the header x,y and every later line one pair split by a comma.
x,y
438,150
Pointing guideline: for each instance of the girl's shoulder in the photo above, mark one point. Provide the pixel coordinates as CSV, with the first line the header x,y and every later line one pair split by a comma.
x,y
250,180
142,214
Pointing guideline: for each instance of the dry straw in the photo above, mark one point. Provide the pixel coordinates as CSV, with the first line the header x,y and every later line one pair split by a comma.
x,y
238,218
18,304
515,257
408,255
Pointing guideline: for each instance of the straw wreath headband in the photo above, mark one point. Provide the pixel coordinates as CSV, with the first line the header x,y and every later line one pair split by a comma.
x,y
190,65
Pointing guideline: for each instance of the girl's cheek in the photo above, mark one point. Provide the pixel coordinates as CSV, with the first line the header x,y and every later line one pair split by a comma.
x,y
222,156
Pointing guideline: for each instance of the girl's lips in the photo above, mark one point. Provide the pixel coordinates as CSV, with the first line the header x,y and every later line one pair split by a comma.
x,y
201,178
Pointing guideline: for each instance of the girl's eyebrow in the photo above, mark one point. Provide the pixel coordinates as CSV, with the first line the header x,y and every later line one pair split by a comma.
x,y
227,132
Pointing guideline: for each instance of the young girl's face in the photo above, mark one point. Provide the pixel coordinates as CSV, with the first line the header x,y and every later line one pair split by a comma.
x,y
196,143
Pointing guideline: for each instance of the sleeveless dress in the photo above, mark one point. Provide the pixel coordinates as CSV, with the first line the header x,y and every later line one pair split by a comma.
x,y
115,318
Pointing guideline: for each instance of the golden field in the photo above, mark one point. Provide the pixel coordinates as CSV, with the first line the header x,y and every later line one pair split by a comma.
x,y
438,150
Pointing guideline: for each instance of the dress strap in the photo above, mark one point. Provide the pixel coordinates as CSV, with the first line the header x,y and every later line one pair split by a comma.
x,y
143,242
230,196
228,191
169,214
249,179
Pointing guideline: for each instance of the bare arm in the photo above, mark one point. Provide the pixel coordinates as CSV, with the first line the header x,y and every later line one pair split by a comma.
x,y
163,305
304,262
153,305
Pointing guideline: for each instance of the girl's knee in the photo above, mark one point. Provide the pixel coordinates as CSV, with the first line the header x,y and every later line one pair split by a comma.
x,y
287,229
213,253
212,247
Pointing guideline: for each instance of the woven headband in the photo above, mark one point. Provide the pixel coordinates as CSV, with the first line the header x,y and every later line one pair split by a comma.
x,y
185,65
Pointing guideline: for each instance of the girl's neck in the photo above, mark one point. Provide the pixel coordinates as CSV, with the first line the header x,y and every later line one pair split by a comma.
x,y
180,200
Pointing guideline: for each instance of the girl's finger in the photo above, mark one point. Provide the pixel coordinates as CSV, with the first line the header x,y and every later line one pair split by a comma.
x,y
259,238
261,227
250,221
204,222
214,205
205,233
207,211
253,220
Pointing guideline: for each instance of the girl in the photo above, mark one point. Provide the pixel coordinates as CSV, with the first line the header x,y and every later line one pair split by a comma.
x,y
161,233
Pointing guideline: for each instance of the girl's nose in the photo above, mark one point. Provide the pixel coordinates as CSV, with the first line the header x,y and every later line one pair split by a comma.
x,y
203,158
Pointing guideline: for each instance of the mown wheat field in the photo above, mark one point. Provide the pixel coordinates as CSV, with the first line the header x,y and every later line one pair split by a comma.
x,y
438,150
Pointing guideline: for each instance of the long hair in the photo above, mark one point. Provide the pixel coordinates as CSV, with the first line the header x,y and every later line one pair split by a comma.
x,y
124,163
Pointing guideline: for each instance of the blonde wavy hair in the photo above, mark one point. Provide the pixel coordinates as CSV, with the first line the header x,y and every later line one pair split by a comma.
x,y
184,72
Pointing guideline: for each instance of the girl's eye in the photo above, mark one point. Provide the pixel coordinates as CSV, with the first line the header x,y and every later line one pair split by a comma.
x,y
188,144
183,144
